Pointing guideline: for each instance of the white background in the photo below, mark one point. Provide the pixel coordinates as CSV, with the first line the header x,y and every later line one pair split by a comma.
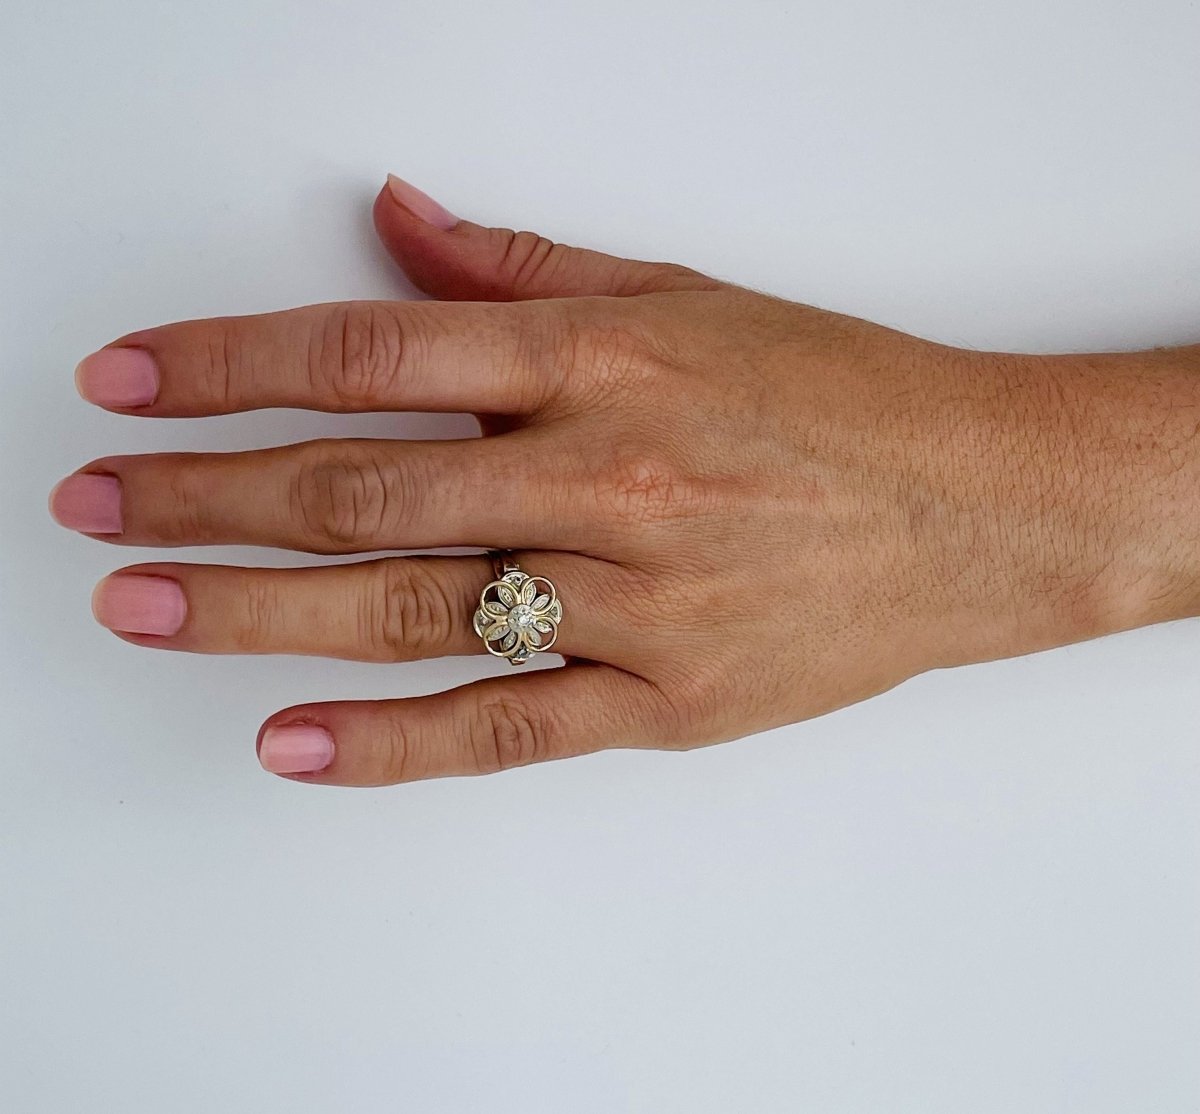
x,y
979,892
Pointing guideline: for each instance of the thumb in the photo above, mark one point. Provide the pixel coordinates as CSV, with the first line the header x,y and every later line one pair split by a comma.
x,y
451,258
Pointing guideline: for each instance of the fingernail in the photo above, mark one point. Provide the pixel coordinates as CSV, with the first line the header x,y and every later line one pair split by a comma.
x,y
120,377
138,604
420,204
298,748
88,503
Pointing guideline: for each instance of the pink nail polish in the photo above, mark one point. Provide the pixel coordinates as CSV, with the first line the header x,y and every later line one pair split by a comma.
x,y
298,748
118,377
420,204
136,604
88,503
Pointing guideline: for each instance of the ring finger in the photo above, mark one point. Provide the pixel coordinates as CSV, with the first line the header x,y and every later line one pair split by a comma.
x,y
388,610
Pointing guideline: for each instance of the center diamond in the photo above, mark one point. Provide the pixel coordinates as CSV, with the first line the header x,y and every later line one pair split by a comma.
x,y
521,617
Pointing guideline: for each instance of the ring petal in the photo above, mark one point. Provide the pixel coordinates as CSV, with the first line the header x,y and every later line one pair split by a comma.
x,y
495,629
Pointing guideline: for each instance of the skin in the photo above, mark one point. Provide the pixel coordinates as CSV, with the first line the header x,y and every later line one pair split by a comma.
x,y
755,511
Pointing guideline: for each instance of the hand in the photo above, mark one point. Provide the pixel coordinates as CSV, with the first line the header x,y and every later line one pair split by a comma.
x,y
754,511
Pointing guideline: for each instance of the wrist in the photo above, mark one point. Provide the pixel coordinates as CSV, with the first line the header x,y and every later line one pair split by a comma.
x,y
1142,436
1089,491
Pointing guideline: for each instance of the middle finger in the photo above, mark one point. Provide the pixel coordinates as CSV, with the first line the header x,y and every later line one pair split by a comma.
x,y
330,496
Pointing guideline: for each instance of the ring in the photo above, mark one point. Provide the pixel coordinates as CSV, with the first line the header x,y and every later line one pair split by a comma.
x,y
518,614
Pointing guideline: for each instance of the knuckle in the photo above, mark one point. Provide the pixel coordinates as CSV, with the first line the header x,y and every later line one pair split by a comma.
x,y
691,704
397,758
190,517
409,612
660,595
356,353
647,488
606,359
261,609
505,733
344,501
526,259
226,365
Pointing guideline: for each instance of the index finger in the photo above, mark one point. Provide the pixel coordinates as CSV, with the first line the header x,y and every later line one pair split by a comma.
x,y
476,357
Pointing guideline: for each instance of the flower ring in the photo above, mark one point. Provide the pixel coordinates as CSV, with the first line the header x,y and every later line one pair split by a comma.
x,y
518,614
